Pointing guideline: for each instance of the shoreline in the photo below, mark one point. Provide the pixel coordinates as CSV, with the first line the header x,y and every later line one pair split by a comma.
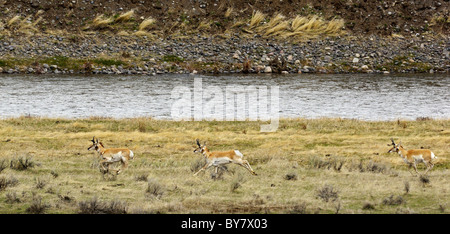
x,y
287,119
218,54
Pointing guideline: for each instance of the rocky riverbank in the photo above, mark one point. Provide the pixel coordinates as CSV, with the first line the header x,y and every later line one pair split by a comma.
x,y
232,53
244,36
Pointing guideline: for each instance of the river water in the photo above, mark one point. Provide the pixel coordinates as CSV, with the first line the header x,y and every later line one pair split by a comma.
x,y
355,96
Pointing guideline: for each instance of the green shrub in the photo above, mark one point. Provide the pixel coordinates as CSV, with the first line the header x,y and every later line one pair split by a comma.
x,y
108,62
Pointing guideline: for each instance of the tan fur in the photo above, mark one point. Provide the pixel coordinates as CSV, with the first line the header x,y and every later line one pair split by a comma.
x,y
414,156
218,158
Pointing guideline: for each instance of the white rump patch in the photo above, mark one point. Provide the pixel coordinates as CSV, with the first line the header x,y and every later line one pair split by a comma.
x,y
131,154
432,155
238,153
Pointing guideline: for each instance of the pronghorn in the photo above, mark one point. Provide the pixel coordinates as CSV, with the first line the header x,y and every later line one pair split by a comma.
x,y
414,156
218,159
112,155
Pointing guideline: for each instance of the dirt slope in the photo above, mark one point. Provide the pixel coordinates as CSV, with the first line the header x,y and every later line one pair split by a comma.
x,y
406,17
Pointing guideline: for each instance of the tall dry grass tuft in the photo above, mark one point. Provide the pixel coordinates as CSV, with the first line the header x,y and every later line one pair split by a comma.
x,y
315,26
297,28
101,21
257,18
144,26
229,11
13,21
146,23
273,22
24,25
204,25
278,29
335,26
127,16
297,22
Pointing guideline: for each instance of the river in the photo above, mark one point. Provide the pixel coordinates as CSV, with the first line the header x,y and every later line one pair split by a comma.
x,y
355,96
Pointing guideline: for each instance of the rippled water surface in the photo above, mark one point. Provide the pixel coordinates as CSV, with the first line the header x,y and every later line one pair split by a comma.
x,y
361,96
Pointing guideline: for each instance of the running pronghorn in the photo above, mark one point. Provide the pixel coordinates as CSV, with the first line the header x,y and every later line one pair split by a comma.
x,y
218,159
112,155
414,156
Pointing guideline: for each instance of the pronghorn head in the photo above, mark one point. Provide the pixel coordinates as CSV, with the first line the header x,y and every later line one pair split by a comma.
x,y
200,148
95,144
395,147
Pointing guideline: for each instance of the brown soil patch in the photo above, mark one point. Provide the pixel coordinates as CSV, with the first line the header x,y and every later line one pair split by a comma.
x,y
361,16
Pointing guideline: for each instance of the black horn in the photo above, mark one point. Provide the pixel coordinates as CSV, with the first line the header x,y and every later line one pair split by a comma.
x,y
198,143
93,139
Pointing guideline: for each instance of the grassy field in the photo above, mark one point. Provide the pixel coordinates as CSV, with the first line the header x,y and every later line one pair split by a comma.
x,y
306,166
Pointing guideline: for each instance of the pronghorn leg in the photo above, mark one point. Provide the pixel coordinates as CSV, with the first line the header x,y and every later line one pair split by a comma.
x,y
203,168
102,164
245,165
248,164
124,166
430,165
409,169
427,166
415,168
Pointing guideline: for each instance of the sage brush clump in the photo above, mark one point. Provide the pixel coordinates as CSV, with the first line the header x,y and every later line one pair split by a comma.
x,y
22,163
290,176
328,193
335,163
154,188
6,182
393,201
94,206
3,165
37,206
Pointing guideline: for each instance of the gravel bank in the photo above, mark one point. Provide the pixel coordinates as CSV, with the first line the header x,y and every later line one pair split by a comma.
x,y
111,54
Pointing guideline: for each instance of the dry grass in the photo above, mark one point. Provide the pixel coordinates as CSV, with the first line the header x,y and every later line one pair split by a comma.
x,y
13,21
347,155
146,24
297,29
204,25
127,16
23,25
275,26
123,24
101,21
257,18
229,12
278,26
